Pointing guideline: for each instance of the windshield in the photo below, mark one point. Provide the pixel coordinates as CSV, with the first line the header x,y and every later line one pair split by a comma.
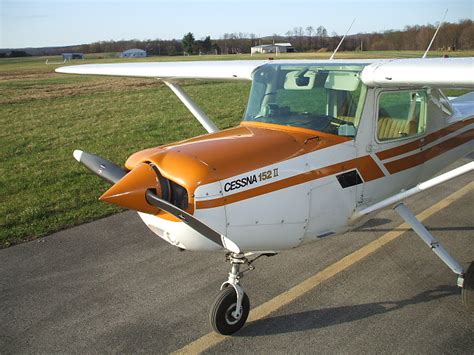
x,y
324,98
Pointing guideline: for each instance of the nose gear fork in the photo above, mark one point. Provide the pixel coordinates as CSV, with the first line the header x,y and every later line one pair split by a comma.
x,y
236,260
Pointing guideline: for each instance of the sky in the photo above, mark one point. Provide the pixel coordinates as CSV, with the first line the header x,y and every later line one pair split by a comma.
x,y
40,23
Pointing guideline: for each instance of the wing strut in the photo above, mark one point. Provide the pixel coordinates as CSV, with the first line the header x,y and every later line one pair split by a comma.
x,y
203,119
431,241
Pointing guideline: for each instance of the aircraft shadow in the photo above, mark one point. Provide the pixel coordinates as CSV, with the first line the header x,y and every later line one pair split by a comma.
x,y
374,222
321,318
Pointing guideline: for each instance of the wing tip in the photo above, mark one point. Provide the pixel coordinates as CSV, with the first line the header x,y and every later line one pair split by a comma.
x,y
71,69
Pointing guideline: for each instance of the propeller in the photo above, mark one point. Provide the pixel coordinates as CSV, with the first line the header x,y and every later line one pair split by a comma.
x,y
141,190
100,166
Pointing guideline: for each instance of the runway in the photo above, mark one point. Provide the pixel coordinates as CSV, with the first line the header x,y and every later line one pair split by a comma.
x,y
112,286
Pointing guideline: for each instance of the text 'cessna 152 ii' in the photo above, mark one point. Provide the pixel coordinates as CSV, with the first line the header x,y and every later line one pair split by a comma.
x,y
334,139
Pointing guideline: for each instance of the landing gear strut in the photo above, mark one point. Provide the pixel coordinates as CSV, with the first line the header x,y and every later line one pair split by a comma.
x,y
231,307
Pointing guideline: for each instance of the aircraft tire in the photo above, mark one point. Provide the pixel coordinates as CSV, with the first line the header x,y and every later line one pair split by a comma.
x,y
467,291
220,315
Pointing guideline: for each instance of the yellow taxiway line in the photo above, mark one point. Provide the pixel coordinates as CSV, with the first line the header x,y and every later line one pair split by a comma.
x,y
209,340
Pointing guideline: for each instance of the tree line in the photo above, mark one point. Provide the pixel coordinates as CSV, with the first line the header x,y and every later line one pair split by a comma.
x,y
452,36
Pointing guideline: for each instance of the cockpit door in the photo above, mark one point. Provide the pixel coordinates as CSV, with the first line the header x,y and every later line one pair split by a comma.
x,y
394,130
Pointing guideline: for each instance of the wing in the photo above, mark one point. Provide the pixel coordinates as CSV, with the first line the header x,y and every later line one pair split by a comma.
x,y
234,69
430,72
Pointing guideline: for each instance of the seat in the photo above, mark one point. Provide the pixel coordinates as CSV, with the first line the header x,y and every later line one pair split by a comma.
x,y
393,128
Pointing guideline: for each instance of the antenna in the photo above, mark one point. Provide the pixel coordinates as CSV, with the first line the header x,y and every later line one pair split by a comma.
x,y
342,40
434,36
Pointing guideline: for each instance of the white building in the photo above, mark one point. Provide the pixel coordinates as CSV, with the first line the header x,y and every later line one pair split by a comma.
x,y
272,48
71,56
288,46
133,53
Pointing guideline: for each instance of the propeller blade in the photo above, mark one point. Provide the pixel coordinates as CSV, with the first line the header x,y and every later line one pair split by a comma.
x,y
100,166
192,222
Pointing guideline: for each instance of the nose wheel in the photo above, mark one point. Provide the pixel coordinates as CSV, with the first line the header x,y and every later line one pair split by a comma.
x,y
231,307
224,317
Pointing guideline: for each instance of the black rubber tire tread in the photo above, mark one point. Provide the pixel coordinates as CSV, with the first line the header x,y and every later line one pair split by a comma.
x,y
224,299
467,291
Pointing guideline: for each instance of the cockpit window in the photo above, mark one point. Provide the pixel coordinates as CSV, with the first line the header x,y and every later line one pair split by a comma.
x,y
323,98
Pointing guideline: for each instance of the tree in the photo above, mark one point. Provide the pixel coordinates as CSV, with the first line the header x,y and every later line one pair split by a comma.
x,y
467,36
216,49
423,37
299,33
310,31
188,43
17,53
322,33
206,44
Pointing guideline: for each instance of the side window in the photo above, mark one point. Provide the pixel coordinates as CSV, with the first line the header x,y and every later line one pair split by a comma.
x,y
401,114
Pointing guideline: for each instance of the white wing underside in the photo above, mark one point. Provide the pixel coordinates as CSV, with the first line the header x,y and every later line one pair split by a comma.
x,y
429,72
227,70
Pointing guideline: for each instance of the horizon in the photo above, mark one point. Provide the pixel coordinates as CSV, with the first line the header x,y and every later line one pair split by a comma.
x,y
59,23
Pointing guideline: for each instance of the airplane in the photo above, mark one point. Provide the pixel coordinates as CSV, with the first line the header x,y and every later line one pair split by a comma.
x,y
322,145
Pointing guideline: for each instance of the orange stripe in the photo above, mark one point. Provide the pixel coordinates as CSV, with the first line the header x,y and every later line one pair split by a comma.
x,y
416,159
366,166
417,144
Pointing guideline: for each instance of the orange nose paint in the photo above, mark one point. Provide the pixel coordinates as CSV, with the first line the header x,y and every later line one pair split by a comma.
x,y
129,192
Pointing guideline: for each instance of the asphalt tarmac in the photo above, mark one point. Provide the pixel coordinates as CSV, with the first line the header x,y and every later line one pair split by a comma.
x,y
111,286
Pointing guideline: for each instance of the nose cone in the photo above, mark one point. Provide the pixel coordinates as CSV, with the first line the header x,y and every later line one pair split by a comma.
x,y
129,192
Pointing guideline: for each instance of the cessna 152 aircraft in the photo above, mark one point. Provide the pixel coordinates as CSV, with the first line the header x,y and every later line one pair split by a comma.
x,y
334,139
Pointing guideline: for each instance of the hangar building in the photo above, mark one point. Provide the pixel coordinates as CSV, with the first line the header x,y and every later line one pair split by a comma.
x,y
272,48
133,53
70,56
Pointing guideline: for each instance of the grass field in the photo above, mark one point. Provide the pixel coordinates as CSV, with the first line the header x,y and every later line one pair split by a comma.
x,y
45,116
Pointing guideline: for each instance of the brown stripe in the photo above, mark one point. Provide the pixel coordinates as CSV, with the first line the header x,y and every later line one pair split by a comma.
x,y
416,159
417,144
366,166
